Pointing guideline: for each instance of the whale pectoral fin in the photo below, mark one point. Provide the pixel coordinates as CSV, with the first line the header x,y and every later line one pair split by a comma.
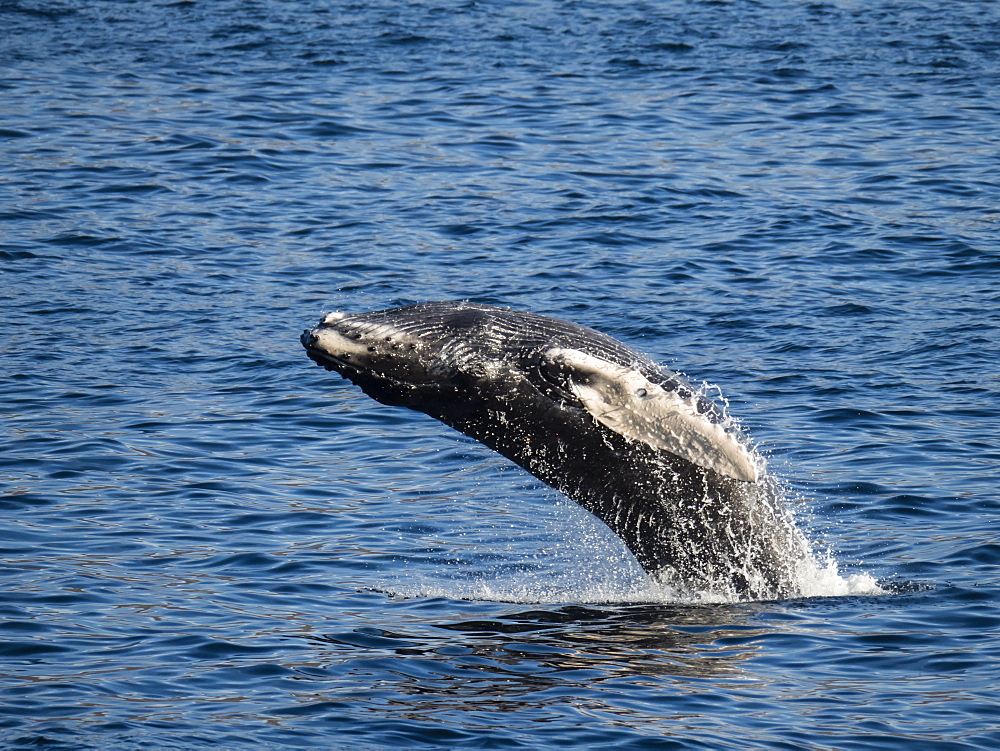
x,y
624,400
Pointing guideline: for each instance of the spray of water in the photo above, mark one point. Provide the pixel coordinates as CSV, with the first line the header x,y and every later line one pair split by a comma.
x,y
589,564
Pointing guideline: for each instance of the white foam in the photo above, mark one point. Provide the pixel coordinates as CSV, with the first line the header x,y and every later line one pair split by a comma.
x,y
605,582
822,578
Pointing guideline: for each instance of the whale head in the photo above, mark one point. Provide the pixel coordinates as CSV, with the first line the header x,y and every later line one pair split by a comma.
x,y
515,380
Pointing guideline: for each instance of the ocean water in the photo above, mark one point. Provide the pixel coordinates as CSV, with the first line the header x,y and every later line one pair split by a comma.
x,y
205,540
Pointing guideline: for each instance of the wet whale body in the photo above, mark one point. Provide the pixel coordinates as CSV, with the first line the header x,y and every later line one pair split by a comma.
x,y
632,442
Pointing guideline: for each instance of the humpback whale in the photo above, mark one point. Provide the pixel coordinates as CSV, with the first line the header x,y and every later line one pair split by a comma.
x,y
632,442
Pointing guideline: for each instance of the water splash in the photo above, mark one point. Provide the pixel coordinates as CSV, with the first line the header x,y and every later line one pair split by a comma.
x,y
596,568
588,564
820,579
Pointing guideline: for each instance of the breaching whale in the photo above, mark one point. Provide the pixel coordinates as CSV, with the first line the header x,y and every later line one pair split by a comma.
x,y
632,442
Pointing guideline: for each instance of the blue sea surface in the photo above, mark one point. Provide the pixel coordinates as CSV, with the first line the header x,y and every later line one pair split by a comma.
x,y
207,541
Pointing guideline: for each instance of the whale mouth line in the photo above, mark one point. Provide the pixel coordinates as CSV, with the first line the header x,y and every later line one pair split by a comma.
x,y
324,358
349,370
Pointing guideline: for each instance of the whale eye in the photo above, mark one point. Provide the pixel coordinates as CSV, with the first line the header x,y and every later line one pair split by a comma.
x,y
551,378
554,374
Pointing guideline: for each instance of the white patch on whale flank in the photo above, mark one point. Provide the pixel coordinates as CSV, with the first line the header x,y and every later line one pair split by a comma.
x,y
624,400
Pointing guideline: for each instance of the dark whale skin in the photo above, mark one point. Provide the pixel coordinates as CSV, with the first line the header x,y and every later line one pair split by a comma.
x,y
482,370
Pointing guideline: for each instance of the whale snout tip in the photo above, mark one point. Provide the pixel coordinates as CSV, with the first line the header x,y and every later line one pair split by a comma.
x,y
311,338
